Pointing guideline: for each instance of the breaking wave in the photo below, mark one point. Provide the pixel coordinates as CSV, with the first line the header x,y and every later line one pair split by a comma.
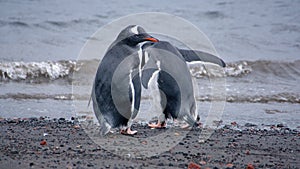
x,y
280,69
26,71
52,70
45,24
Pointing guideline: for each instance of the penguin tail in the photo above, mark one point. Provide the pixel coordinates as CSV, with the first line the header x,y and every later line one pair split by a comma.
x,y
104,128
189,119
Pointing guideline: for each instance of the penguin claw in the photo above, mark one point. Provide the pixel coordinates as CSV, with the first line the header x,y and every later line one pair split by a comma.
x,y
157,126
128,132
187,126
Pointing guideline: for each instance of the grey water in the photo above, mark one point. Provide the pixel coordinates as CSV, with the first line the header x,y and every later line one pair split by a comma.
x,y
259,40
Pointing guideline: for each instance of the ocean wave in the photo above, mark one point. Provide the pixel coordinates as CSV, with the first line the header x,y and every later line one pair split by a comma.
x,y
72,22
14,23
37,96
211,15
49,23
52,70
236,69
279,69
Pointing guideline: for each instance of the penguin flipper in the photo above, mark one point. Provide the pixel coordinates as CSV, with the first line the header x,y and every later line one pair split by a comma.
x,y
137,95
148,72
196,55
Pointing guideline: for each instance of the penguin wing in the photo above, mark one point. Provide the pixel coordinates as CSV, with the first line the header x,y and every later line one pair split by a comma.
x,y
137,90
148,71
196,55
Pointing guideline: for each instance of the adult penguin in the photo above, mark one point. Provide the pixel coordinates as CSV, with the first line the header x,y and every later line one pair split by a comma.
x,y
116,90
174,82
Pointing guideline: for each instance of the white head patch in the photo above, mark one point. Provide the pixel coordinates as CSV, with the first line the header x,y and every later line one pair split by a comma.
x,y
135,30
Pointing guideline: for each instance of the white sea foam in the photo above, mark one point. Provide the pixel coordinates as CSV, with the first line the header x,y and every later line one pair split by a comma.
x,y
34,70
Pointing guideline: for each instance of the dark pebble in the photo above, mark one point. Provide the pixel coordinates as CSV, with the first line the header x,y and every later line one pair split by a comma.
x,y
250,125
160,164
33,119
231,140
14,151
62,119
90,165
182,165
280,125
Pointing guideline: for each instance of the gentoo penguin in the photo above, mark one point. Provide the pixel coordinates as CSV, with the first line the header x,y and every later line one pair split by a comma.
x,y
116,90
174,82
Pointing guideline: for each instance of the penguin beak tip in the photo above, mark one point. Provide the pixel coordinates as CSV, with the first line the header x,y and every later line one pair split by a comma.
x,y
152,39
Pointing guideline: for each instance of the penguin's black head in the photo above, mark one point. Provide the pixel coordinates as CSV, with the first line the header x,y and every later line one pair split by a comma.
x,y
134,34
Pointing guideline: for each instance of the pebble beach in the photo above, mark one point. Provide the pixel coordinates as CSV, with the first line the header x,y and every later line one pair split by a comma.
x,y
63,143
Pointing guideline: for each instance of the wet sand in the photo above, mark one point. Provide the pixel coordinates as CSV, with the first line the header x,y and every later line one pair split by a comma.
x,y
60,143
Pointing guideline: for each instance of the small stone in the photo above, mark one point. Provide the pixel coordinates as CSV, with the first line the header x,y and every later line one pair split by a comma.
x,y
14,151
69,166
90,165
144,142
160,164
43,142
31,164
202,162
234,123
250,125
194,166
231,140
76,127
280,125
250,166
229,166
201,141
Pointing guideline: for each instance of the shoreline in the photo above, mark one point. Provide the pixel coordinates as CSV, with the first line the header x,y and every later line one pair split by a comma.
x,y
61,143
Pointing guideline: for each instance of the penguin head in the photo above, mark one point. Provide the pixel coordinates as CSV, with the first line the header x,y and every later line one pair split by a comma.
x,y
132,35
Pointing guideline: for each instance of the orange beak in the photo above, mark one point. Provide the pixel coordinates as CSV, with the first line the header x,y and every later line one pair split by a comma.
x,y
152,39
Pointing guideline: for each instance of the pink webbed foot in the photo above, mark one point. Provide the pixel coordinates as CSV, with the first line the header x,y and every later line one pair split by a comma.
x,y
158,125
128,131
